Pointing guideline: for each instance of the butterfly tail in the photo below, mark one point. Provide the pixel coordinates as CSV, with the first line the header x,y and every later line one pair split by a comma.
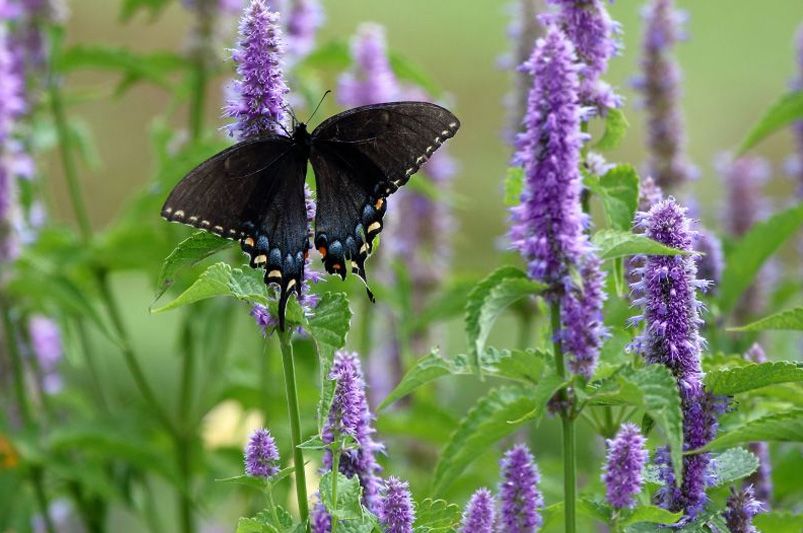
x,y
358,268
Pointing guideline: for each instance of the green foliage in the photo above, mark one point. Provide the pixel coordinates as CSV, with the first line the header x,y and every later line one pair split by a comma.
x,y
615,243
514,185
733,465
436,516
616,126
349,492
618,191
779,427
648,514
221,279
153,7
779,522
789,319
780,115
746,257
190,251
729,381
276,520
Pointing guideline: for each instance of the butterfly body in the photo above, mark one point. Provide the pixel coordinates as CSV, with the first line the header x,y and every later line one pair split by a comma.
x,y
254,191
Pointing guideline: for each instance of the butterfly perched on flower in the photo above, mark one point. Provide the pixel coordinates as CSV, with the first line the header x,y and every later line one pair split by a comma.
x,y
254,191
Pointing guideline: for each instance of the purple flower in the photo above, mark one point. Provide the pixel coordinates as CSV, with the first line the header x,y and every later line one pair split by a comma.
x,y
47,348
521,500
371,79
548,226
479,515
660,88
320,520
589,26
711,258
622,475
397,512
258,98
649,193
350,415
761,479
261,455
740,510
304,17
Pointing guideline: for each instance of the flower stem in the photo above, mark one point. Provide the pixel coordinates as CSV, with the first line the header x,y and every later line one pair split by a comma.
x,y
335,471
295,423
567,423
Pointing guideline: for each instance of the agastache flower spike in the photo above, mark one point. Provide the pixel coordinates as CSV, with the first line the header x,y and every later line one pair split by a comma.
x,y
761,479
47,348
304,17
589,26
711,258
350,415
521,500
397,512
741,508
479,515
660,86
548,227
261,455
260,91
372,80
622,475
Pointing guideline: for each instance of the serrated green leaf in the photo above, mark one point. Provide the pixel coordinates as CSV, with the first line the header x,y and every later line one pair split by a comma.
x,y
653,389
489,298
746,257
349,493
618,191
778,427
732,465
789,319
650,514
616,243
256,483
781,114
779,522
436,516
514,185
496,415
221,279
328,327
729,381
616,126
518,365
253,525
190,251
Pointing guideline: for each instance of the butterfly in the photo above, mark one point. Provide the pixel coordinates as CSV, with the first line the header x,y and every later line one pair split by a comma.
x,y
254,191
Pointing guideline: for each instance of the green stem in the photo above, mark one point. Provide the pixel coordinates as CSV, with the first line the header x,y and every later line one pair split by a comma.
x,y
41,498
271,503
295,423
184,497
567,423
91,364
183,437
199,74
610,427
335,471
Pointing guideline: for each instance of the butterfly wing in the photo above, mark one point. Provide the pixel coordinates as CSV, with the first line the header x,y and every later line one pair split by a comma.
x,y
360,157
253,192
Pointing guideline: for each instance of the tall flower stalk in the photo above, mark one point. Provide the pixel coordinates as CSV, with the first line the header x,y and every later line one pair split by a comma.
x,y
623,474
521,500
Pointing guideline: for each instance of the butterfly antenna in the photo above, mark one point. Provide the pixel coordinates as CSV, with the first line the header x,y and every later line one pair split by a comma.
x,y
289,109
318,106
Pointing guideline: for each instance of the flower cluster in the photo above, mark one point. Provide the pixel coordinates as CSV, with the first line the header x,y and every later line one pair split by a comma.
x,y
660,87
304,17
261,455
372,80
548,226
627,456
479,515
741,508
520,498
710,258
396,511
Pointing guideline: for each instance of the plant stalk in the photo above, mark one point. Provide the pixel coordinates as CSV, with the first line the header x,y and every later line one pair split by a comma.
x,y
567,424
335,471
295,423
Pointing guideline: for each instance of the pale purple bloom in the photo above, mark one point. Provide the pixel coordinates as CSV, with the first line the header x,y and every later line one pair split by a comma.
x,y
350,415
595,35
627,455
596,164
761,479
397,511
47,348
741,508
711,258
659,84
548,226
521,501
649,193
304,18
371,79
479,515
320,520
259,94
261,455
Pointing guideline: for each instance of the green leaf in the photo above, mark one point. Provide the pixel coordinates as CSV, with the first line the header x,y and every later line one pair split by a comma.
x,y
789,319
349,493
615,243
190,251
616,126
729,381
733,465
154,7
328,327
334,55
221,279
779,427
253,525
618,191
155,67
496,415
650,514
449,303
406,70
779,522
746,257
256,483
514,185
653,389
781,114
489,298
436,516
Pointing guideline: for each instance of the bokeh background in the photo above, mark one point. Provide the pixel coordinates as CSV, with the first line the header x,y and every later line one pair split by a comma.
x,y
738,59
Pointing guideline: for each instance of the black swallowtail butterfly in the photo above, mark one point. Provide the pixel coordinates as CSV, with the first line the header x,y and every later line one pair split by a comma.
x,y
254,191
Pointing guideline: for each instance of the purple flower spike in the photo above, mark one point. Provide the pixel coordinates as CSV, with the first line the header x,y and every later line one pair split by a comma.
x,y
711,261
548,226
397,512
371,80
660,88
589,26
261,455
303,20
350,415
650,193
320,520
479,515
519,494
259,94
741,508
523,30
627,456
47,347
761,479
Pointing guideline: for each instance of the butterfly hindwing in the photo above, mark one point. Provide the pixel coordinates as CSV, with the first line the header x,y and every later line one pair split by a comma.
x,y
360,157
